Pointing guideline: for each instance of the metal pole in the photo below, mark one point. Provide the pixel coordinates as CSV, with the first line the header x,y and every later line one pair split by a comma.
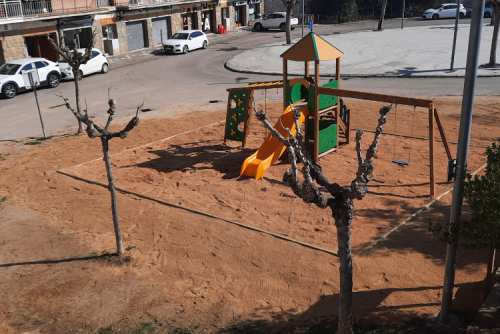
x,y
403,15
462,151
303,18
455,36
30,76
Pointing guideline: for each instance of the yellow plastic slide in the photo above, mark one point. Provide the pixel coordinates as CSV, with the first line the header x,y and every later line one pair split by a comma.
x,y
270,151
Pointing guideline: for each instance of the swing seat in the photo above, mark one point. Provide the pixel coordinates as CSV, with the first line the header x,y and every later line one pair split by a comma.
x,y
401,162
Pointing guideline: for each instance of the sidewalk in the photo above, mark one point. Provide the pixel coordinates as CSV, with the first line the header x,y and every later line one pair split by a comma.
x,y
409,52
212,39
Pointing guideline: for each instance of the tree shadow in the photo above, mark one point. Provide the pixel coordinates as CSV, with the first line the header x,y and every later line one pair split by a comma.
x,y
195,156
409,71
369,314
103,257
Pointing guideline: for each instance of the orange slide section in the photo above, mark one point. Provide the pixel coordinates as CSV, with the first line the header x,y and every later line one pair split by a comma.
x,y
270,151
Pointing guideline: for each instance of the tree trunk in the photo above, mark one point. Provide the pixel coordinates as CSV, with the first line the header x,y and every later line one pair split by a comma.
x,y
112,190
492,22
77,94
287,24
343,224
494,41
382,14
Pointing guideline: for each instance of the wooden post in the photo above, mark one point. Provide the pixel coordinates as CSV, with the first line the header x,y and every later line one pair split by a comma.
x,y
306,69
227,115
247,118
284,83
431,150
348,132
441,132
316,111
337,70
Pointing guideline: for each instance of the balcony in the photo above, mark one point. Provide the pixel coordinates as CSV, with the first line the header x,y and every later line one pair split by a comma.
x,y
144,3
17,11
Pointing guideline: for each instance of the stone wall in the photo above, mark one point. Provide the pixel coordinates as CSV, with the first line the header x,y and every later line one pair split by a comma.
x,y
13,46
231,16
121,29
149,28
176,21
97,28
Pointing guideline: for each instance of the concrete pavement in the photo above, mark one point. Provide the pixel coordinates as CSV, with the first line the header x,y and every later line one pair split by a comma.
x,y
409,52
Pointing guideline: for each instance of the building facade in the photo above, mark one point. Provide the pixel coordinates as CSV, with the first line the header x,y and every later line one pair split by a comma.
x,y
120,26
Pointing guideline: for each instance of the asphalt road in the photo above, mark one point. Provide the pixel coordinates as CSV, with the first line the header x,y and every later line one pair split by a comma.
x,y
177,84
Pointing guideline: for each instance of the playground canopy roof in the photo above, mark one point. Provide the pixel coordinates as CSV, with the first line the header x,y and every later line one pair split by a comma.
x,y
312,47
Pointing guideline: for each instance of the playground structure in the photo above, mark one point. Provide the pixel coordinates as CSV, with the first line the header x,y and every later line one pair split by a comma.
x,y
324,112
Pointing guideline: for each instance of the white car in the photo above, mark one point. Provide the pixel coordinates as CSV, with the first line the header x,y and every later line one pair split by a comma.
x,y
274,21
185,40
11,78
96,63
446,10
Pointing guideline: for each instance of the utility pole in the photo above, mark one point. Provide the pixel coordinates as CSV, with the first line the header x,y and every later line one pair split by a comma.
x,y
462,152
455,36
303,18
403,15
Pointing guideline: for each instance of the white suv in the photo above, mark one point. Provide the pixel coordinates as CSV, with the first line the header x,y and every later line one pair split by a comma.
x,y
11,78
275,21
446,10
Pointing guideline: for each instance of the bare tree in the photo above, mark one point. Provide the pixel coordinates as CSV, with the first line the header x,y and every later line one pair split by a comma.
x,y
74,59
495,4
289,4
382,14
340,198
94,131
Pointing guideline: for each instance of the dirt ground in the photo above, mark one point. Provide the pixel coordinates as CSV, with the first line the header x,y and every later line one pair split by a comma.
x,y
189,270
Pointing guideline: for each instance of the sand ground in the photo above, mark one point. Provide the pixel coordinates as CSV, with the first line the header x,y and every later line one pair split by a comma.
x,y
191,270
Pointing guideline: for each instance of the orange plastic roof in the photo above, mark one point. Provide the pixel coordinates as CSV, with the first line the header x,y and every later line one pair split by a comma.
x,y
312,47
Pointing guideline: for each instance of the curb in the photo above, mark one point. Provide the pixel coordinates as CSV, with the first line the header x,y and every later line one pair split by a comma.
x,y
404,76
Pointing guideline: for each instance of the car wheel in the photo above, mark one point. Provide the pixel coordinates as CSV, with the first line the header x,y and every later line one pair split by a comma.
x,y
105,68
257,27
205,44
461,15
435,16
9,91
53,80
185,49
487,15
80,75
282,27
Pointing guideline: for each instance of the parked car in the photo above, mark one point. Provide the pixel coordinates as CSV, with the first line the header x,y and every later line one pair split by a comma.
x,y
488,12
186,40
274,21
446,10
97,63
11,78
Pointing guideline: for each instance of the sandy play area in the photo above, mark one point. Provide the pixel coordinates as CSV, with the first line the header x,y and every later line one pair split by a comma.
x,y
192,271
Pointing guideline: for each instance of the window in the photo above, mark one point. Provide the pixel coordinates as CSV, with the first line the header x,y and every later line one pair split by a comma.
x,y
40,64
180,36
109,31
95,54
27,67
9,69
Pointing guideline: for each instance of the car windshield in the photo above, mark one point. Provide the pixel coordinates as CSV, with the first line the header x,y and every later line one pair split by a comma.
x,y
9,69
437,7
180,36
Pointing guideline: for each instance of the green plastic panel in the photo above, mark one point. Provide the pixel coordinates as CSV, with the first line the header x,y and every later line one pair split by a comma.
x,y
295,92
327,134
237,115
325,101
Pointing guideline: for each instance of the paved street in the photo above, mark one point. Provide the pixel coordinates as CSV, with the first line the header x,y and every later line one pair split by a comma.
x,y
176,84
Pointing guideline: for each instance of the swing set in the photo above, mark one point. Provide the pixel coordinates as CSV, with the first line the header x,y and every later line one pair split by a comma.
x,y
408,101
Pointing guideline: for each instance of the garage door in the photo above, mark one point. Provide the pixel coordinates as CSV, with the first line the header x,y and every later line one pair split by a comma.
x,y
160,30
135,35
